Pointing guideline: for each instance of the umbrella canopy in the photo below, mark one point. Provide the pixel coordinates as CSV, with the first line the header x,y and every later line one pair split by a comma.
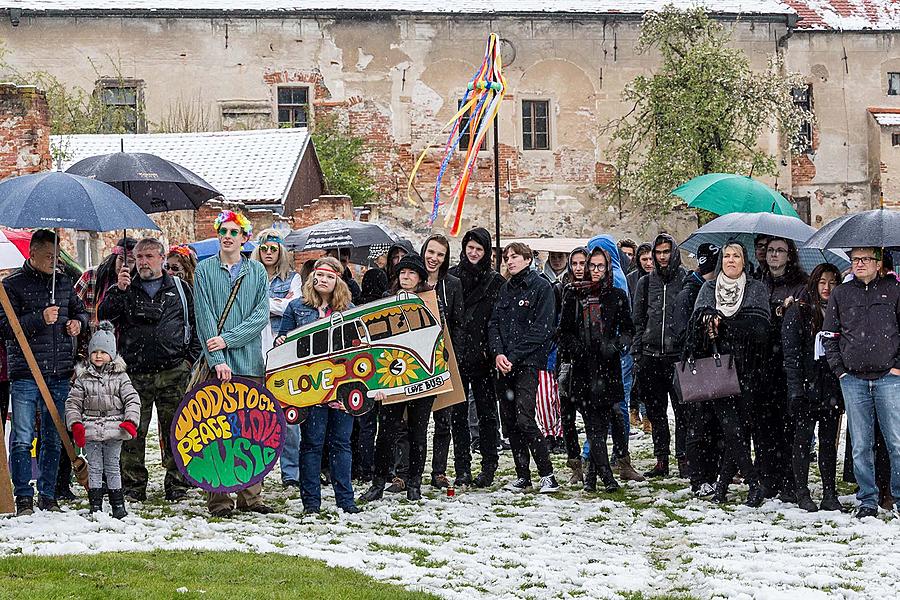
x,y
10,255
340,233
155,184
548,244
210,247
723,193
744,227
22,241
54,199
878,228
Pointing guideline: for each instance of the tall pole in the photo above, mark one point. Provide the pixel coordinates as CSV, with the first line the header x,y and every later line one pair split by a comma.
x,y
497,188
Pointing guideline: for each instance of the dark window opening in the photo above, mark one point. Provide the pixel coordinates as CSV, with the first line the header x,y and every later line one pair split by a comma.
x,y
303,347
803,100
466,131
320,342
536,124
893,84
293,107
122,101
895,139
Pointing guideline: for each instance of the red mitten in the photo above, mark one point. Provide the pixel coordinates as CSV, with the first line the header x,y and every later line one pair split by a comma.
x,y
78,434
129,427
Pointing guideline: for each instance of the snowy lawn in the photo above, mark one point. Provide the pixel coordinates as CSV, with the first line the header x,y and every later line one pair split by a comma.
x,y
647,540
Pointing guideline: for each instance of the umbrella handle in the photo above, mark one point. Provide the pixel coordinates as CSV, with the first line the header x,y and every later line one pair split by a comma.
x,y
55,260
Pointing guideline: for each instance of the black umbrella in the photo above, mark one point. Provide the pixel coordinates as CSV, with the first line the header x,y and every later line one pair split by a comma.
x,y
878,228
340,233
153,183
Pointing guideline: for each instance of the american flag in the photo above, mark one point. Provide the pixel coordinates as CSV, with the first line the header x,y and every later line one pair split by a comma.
x,y
548,412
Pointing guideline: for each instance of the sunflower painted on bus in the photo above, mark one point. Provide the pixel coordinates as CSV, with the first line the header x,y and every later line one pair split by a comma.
x,y
394,346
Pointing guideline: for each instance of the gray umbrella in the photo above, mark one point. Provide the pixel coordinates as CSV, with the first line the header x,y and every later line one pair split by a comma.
x,y
340,233
879,228
744,227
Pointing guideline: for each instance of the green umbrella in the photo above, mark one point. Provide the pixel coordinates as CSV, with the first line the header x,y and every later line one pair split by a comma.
x,y
725,193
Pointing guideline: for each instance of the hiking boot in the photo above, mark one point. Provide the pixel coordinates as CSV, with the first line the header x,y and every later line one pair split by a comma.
x,y
24,506
375,492
95,500
136,495
65,494
789,496
176,495
439,481
661,469
720,493
756,496
290,483
520,485
397,486
258,508
805,501
484,479
463,480
48,504
830,501
590,481
351,509
647,427
549,485
634,417
117,502
866,511
414,489
627,471
221,513
684,468
577,471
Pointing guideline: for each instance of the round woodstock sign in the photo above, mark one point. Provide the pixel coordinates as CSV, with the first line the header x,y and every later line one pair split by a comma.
x,y
226,436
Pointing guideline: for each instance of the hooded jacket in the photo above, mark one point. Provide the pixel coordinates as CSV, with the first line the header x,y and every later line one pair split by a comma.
x,y
450,299
867,318
594,350
402,245
102,398
480,285
612,251
655,299
524,320
638,271
29,293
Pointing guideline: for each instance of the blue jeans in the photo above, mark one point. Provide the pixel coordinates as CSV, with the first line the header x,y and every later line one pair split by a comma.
x,y
338,425
290,454
25,402
864,399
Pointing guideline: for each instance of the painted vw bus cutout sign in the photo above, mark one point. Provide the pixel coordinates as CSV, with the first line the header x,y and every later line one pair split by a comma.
x,y
394,346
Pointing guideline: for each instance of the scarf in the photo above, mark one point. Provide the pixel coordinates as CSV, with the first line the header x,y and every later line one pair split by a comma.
x,y
729,293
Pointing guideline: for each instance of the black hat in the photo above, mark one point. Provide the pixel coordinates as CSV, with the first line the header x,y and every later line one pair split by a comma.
x,y
412,261
707,258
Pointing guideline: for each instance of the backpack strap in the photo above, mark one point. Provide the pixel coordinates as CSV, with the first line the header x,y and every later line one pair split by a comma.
x,y
184,310
228,304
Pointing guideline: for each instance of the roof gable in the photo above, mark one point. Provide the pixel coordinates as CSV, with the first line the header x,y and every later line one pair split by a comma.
x,y
254,167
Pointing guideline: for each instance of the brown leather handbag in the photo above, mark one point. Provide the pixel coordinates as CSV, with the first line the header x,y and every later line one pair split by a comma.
x,y
703,379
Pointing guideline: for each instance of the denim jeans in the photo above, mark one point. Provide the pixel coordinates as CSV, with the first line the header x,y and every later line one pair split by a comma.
x,y
290,454
864,399
338,425
26,399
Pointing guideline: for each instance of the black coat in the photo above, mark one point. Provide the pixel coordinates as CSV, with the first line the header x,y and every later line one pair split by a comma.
x,y
654,306
450,302
54,349
596,372
480,286
684,305
374,285
151,330
867,317
811,384
524,320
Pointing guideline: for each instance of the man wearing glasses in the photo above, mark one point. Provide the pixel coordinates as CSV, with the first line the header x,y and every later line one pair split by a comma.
x,y
154,319
236,350
862,345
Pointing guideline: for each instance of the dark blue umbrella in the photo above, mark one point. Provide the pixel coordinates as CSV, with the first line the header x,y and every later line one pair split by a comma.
x,y
155,184
60,200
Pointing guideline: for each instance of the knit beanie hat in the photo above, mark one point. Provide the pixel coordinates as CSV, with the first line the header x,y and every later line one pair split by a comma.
x,y
707,258
414,262
104,339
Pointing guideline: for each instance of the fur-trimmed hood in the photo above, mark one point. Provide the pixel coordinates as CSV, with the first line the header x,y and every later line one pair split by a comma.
x,y
86,368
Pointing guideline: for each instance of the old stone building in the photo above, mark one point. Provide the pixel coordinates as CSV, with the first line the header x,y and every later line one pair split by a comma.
x,y
394,71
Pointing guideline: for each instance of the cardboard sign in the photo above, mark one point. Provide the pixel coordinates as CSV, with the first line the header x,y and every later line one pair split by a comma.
x,y
227,436
395,346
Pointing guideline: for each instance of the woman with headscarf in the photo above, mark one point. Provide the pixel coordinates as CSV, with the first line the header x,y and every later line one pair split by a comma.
x,y
814,391
595,326
731,316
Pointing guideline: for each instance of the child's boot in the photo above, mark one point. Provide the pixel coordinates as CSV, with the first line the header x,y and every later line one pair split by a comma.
x,y
95,498
117,501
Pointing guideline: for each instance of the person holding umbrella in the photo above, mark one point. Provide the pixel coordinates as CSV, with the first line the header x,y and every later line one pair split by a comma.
x,y
237,348
52,328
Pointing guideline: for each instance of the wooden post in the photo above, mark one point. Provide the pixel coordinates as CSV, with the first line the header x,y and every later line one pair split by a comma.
x,y
79,465
7,505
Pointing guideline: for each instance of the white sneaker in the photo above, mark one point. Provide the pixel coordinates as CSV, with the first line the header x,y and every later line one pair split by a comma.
x,y
549,485
706,490
519,485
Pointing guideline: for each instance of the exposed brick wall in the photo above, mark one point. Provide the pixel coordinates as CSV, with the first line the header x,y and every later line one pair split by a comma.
x,y
24,131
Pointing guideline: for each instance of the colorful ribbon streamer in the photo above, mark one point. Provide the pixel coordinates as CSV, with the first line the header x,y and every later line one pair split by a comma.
x,y
479,108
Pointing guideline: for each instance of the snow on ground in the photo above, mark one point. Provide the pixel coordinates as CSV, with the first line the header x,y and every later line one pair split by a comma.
x,y
652,538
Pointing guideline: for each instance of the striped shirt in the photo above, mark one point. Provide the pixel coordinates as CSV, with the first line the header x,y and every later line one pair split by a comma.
x,y
248,315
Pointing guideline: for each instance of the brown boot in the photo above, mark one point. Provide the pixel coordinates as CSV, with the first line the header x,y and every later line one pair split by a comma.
x,y
647,427
626,470
634,416
577,477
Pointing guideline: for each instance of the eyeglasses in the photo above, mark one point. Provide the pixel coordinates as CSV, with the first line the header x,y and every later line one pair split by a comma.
x,y
761,245
266,248
776,251
172,267
862,260
224,232
594,267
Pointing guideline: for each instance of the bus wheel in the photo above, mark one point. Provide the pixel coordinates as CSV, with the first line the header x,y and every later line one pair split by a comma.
x,y
354,398
302,414
295,415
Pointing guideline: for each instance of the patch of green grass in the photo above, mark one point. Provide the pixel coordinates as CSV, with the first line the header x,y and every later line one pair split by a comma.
x,y
665,596
418,556
206,575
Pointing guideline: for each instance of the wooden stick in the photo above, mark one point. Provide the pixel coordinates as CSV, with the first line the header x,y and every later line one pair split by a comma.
x,y
7,505
79,466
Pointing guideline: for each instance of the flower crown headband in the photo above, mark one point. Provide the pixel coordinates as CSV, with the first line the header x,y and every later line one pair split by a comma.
x,y
181,250
238,219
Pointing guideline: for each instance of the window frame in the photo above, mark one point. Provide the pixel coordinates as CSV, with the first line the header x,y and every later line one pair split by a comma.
x,y
532,120
464,147
893,76
292,106
807,103
106,84
895,139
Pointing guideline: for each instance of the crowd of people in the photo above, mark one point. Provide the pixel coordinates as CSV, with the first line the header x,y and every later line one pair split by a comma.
x,y
598,333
